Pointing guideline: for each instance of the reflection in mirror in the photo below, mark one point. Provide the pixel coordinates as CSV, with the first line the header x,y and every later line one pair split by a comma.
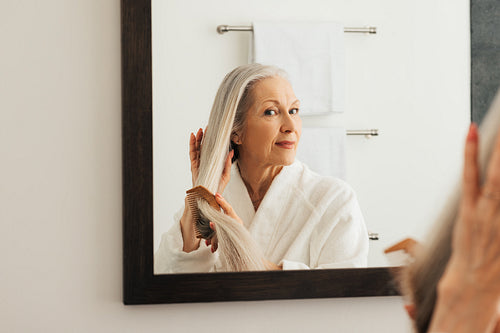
x,y
409,80
273,203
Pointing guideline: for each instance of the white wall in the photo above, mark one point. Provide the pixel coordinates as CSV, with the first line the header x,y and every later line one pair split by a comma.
x,y
60,192
410,80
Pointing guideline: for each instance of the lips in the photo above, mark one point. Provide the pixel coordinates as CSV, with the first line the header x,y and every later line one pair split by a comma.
x,y
286,144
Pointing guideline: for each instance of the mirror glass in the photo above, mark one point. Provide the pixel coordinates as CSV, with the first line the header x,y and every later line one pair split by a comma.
x,y
410,81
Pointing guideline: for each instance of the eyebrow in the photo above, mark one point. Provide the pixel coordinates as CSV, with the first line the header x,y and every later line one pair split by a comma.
x,y
277,102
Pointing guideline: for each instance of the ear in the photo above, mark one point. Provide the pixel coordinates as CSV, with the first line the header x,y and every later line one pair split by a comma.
x,y
235,137
412,311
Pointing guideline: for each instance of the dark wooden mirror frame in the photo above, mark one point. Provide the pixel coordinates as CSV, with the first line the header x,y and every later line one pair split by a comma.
x,y
141,286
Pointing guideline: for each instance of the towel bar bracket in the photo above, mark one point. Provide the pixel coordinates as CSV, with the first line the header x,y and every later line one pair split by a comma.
x,y
367,133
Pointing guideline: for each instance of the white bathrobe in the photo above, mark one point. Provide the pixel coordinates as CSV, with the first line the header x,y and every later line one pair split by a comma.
x,y
305,221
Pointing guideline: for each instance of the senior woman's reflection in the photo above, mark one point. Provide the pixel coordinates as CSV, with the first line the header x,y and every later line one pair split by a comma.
x,y
297,218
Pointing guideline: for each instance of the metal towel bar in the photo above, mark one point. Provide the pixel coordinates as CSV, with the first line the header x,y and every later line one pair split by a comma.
x,y
226,28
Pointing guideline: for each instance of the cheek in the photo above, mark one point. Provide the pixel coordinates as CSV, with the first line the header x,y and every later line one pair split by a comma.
x,y
299,128
266,137
264,133
259,137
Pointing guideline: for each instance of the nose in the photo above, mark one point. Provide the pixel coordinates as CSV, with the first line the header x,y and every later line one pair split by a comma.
x,y
289,123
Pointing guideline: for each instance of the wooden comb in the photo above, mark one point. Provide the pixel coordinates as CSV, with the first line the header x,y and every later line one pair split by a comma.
x,y
409,245
201,223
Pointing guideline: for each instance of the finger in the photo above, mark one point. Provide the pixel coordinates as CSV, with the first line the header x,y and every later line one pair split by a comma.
x,y
493,173
227,166
192,147
212,241
226,207
215,244
199,137
470,182
226,172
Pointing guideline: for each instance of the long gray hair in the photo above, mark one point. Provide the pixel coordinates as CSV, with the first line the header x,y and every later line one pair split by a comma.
x,y
420,279
237,250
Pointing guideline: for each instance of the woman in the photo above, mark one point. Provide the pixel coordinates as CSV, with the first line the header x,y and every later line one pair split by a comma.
x,y
454,285
297,219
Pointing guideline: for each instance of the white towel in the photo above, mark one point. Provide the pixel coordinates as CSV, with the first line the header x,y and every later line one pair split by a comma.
x,y
313,56
323,150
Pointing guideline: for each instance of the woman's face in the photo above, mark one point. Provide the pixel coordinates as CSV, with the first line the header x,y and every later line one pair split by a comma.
x,y
272,125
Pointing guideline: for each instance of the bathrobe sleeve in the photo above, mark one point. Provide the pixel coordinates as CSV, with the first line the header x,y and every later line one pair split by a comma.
x,y
170,258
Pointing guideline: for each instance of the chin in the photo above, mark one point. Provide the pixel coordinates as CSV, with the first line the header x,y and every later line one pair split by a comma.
x,y
288,161
283,159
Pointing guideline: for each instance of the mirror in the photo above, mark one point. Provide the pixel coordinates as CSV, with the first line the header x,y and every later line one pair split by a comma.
x,y
364,52
410,81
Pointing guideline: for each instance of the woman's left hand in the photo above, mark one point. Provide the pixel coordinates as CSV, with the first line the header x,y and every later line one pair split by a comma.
x,y
476,248
228,210
469,290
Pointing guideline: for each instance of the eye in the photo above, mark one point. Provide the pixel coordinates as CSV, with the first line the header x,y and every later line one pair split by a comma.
x,y
294,111
269,112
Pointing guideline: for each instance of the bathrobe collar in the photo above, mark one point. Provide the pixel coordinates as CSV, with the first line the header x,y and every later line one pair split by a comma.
x,y
271,206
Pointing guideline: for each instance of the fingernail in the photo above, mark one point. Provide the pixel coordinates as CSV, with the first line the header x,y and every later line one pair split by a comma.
x,y
218,195
472,134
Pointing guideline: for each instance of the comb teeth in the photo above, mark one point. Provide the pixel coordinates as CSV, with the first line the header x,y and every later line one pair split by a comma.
x,y
193,195
193,207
